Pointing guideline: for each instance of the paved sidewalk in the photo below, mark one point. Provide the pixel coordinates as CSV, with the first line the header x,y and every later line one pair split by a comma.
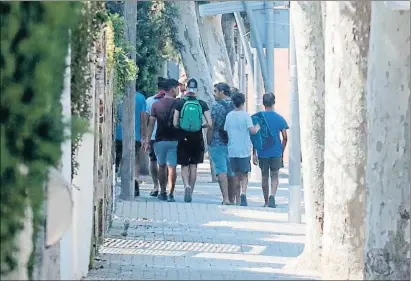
x,y
153,240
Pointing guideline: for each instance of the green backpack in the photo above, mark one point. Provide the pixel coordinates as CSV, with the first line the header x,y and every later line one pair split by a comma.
x,y
191,115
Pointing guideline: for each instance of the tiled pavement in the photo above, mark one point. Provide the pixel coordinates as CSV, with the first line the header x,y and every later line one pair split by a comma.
x,y
153,240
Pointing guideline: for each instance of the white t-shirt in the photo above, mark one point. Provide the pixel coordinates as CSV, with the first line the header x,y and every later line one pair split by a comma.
x,y
238,124
150,101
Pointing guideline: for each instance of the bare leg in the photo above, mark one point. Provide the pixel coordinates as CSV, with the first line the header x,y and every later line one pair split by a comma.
x,y
265,189
162,177
231,189
223,182
137,165
154,174
237,185
172,176
185,175
192,177
243,178
274,182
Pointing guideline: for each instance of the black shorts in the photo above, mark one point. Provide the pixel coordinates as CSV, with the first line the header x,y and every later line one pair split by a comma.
x,y
119,150
152,154
190,150
270,165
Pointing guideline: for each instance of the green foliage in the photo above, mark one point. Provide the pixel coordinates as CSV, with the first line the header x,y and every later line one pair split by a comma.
x,y
125,68
156,38
83,36
156,41
34,43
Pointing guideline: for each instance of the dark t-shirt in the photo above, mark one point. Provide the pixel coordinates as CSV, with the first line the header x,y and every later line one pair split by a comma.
x,y
163,111
179,106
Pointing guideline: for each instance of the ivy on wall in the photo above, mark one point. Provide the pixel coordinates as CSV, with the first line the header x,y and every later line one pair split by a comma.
x,y
34,44
83,38
125,69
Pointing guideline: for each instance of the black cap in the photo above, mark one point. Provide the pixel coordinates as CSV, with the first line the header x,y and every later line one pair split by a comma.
x,y
192,84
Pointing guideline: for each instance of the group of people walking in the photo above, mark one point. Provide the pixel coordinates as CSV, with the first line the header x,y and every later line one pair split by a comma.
x,y
170,126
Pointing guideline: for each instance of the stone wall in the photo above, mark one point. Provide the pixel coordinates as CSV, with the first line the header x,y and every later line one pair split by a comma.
x,y
103,188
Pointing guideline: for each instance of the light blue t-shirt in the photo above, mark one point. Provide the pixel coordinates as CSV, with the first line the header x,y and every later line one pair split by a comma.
x,y
276,123
140,102
237,125
150,101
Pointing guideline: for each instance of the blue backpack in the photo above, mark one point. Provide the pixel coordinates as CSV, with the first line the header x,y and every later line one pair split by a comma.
x,y
264,138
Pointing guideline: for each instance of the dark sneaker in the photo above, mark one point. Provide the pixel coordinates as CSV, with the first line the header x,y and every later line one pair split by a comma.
x,y
154,193
271,202
171,198
243,200
187,195
136,189
162,196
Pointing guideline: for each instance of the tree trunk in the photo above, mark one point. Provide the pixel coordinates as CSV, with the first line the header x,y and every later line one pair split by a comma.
x,y
128,124
309,43
387,246
215,49
227,24
191,49
347,37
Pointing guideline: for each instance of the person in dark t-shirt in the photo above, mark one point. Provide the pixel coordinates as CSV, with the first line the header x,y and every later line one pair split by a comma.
x,y
188,117
166,139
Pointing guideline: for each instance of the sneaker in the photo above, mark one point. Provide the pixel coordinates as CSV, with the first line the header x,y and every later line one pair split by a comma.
x,y
154,193
171,198
136,189
243,200
187,195
271,202
162,196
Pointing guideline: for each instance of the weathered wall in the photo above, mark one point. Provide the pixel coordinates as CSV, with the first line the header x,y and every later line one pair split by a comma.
x,y
103,188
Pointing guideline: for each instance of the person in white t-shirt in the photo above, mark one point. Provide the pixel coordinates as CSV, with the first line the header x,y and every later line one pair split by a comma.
x,y
239,126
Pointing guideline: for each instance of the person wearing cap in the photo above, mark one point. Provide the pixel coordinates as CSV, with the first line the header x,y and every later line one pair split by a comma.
x,y
188,117
217,140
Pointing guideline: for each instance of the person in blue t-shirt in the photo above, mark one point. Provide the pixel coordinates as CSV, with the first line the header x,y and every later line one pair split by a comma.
x,y
270,159
140,119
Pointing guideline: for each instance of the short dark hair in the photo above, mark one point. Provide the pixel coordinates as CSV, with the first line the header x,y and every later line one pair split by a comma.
x,y
268,99
238,99
170,84
223,87
161,82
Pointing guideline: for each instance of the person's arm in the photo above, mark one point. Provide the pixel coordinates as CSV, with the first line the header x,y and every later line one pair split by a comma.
x,y
284,135
143,125
255,158
284,139
150,127
176,118
151,122
210,129
207,117
253,129
178,106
